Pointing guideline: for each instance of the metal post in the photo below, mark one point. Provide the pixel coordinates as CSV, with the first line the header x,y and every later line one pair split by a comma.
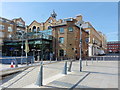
x,y
92,60
22,49
69,69
42,49
50,59
96,59
80,60
86,63
56,58
39,81
16,63
65,68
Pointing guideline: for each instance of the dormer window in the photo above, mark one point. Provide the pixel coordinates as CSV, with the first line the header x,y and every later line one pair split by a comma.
x,y
50,21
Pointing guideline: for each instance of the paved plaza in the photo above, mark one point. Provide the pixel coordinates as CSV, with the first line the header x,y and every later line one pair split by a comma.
x,y
97,74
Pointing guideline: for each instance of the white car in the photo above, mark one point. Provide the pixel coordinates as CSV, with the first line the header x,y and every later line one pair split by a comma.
x,y
101,52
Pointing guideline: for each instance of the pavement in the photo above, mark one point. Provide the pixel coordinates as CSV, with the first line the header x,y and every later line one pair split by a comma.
x,y
7,66
96,74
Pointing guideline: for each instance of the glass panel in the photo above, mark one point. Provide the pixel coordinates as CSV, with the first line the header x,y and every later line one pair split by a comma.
x,y
70,29
10,29
61,30
61,40
61,52
2,27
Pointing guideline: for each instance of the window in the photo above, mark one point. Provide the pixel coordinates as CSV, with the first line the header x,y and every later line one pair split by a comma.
x,y
50,21
9,36
34,29
61,40
30,30
70,29
49,27
61,52
61,30
20,23
2,27
10,29
38,29
1,34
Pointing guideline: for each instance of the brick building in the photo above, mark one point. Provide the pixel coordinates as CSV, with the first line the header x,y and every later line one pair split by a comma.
x,y
113,46
8,28
97,40
65,35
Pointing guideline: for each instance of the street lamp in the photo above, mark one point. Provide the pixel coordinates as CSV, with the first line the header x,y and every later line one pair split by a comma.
x,y
80,59
38,54
22,46
79,24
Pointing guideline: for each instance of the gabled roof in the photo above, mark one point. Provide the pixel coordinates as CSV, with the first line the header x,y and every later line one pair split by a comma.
x,y
50,18
35,22
18,19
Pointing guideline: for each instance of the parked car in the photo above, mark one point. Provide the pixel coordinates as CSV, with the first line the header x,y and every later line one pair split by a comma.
x,y
101,52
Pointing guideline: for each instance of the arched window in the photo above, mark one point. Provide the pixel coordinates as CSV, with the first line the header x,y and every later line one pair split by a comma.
x,y
38,29
30,30
49,27
34,29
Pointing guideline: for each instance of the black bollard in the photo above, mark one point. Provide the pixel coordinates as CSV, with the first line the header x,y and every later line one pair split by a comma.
x,y
69,69
16,63
39,81
65,68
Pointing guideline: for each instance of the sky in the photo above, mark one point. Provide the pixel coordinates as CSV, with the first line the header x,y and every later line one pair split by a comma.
x,y
102,15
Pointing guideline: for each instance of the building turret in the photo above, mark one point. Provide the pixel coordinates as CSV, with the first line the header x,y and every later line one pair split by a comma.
x,y
53,14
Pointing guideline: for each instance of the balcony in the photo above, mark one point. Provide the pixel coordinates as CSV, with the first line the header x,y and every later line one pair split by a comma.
x,y
21,26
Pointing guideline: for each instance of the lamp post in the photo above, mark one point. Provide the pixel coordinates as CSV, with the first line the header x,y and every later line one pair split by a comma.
x,y
33,54
38,54
80,59
42,48
22,47
79,24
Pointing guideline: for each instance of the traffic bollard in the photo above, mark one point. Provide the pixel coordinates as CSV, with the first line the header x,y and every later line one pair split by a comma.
x,y
96,59
16,63
56,58
50,60
69,69
86,63
92,60
65,68
39,81
103,58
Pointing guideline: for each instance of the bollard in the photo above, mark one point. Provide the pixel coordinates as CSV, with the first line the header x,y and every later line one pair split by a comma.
x,y
69,69
39,81
16,63
50,59
92,60
103,58
86,63
96,59
65,68
56,58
